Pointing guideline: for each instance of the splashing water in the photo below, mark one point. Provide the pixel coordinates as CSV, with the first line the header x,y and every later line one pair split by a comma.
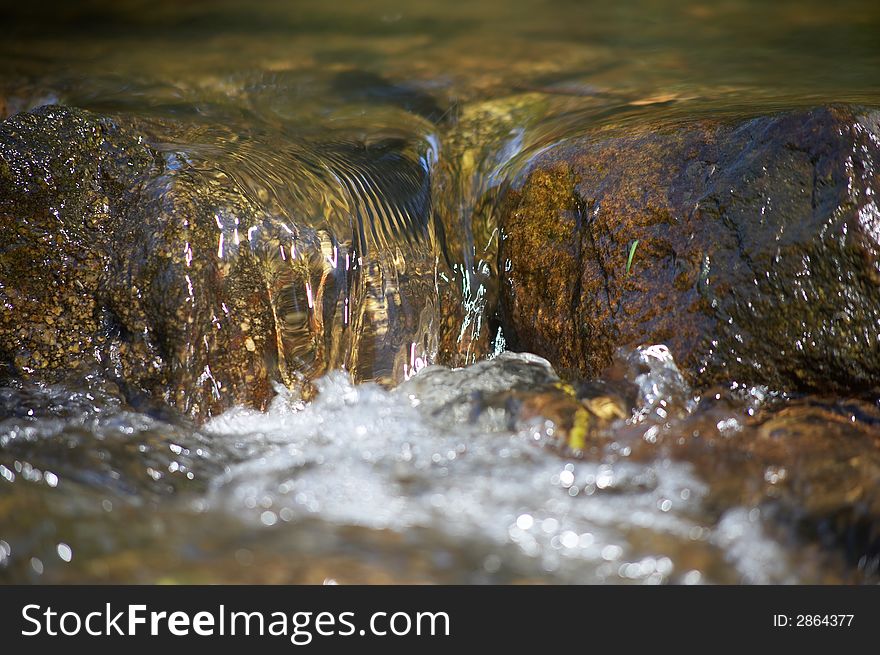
x,y
360,455
425,481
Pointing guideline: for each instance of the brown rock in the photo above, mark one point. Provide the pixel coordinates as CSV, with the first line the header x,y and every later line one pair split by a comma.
x,y
171,274
756,255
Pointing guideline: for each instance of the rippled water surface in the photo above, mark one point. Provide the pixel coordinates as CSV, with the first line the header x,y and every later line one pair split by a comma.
x,y
398,469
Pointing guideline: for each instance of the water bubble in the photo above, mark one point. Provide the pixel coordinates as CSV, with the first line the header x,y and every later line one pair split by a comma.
x,y
5,552
605,478
775,474
692,577
492,563
611,552
729,426
569,539
64,552
549,525
525,521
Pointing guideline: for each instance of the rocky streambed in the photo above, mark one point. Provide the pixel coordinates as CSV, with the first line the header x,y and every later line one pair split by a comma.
x,y
303,321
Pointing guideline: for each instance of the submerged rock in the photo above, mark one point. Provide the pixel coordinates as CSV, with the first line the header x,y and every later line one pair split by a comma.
x,y
193,278
749,247
806,470
521,392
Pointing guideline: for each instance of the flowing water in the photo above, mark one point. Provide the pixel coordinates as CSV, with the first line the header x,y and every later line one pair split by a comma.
x,y
371,141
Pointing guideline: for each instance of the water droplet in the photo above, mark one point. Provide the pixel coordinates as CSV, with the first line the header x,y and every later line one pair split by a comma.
x,y
492,563
64,552
525,521
692,577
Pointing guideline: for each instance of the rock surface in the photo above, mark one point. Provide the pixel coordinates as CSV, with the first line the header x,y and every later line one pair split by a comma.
x,y
182,276
809,468
95,272
753,249
749,247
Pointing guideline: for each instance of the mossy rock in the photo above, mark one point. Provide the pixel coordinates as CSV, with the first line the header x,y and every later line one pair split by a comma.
x,y
754,249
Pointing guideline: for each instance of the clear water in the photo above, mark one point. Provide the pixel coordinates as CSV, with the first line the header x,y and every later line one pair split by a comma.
x,y
434,479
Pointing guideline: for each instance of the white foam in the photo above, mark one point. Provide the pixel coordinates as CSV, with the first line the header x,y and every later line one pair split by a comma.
x,y
365,456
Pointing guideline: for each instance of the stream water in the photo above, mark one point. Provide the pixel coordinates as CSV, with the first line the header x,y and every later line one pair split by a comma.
x,y
436,474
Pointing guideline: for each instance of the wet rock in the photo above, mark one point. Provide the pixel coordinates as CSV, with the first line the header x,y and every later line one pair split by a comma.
x,y
521,392
97,272
805,469
187,281
749,247
56,169
448,393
